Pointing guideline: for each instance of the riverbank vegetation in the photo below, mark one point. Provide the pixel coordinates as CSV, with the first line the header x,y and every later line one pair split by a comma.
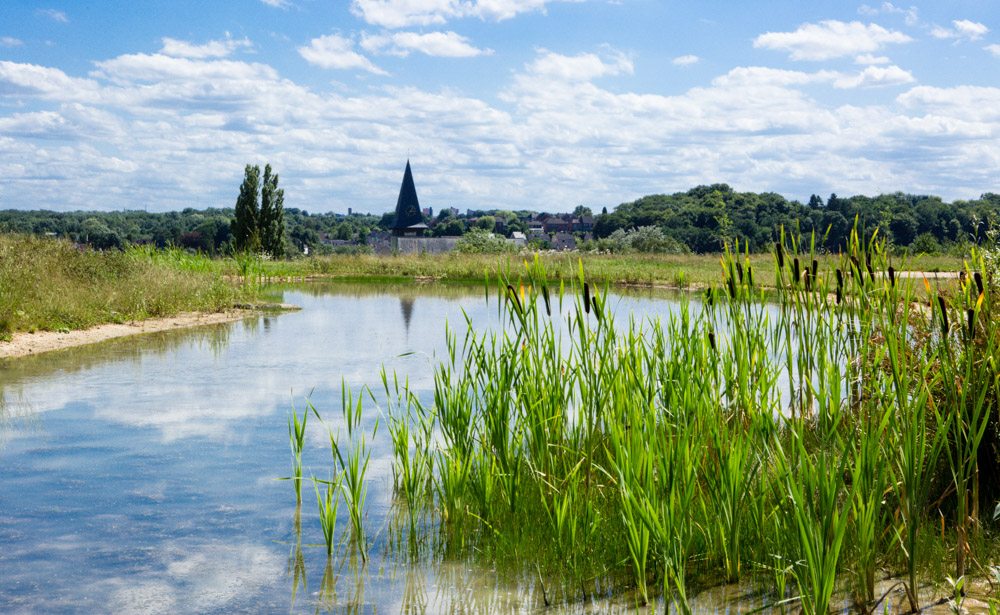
x,y
53,285
808,448
701,220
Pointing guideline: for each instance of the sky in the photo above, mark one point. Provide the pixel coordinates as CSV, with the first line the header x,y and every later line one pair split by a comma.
x,y
507,104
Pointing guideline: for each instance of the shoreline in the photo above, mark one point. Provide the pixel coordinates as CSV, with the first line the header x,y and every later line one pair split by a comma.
x,y
30,344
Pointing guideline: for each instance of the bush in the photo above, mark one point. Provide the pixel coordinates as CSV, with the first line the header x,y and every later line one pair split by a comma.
x,y
479,241
645,239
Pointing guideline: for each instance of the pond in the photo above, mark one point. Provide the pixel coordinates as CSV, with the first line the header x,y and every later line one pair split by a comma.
x,y
140,475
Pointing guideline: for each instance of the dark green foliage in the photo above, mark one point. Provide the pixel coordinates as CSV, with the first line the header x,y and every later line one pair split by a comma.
x,y
246,222
707,217
272,215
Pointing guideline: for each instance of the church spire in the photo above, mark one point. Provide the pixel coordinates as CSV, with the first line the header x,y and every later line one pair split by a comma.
x,y
407,206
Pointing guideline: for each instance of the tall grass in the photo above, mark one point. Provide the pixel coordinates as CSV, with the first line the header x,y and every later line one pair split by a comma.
x,y
803,446
51,285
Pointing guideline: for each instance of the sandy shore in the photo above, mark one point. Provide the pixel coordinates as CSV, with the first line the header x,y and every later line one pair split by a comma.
x,y
25,344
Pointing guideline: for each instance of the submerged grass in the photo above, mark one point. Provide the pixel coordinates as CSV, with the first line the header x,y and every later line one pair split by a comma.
x,y
808,447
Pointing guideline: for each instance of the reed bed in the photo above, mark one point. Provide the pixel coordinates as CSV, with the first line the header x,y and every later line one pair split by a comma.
x,y
808,447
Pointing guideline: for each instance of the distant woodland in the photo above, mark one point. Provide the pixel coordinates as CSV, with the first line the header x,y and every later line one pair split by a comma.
x,y
703,219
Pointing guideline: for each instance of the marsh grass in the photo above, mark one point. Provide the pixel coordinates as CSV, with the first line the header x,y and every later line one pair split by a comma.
x,y
807,447
51,285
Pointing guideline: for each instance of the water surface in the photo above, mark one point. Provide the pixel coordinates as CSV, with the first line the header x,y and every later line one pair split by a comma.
x,y
139,474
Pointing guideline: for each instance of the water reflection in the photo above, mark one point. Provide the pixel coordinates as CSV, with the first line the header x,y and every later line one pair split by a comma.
x,y
139,472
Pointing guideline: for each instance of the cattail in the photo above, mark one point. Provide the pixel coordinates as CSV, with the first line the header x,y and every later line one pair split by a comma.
x,y
979,281
892,276
586,297
808,280
711,340
739,271
545,295
795,270
815,265
513,296
944,316
971,315
868,265
598,306
781,255
856,266
731,285
749,275
840,295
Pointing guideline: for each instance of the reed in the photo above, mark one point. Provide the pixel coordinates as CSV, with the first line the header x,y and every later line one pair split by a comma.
x,y
802,445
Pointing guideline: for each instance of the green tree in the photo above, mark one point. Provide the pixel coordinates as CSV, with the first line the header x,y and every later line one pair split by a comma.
x,y
272,215
246,223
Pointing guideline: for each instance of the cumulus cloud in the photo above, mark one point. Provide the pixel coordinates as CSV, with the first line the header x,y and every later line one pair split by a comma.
x,y
54,15
278,4
686,60
337,52
994,49
10,41
875,76
581,67
403,13
438,44
211,49
557,129
910,15
830,39
962,29
868,58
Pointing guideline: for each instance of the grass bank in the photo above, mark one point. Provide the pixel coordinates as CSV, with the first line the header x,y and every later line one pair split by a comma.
x,y
51,285
680,271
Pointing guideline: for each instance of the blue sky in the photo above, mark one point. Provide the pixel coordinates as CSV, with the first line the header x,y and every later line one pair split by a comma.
x,y
535,104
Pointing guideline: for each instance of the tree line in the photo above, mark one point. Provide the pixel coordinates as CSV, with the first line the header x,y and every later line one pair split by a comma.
x,y
701,220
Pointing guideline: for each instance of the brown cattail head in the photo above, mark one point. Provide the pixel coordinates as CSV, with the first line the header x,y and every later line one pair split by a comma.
x,y
892,276
711,339
840,279
944,316
780,252
970,314
840,295
739,271
978,277
548,305
513,297
796,274
731,286
586,297
815,267
749,275
808,280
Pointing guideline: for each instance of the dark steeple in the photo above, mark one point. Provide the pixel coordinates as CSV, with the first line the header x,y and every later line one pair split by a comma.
x,y
407,206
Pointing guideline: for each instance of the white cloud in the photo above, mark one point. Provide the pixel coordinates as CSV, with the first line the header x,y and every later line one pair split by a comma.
x,y
337,52
876,76
868,58
911,15
686,60
10,41
439,44
278,4
994,49
582,67
53,14
403,13
962,29
830,39
211,49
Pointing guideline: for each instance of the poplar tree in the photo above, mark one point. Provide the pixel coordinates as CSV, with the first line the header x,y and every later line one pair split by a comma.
x,y
272,215
245,226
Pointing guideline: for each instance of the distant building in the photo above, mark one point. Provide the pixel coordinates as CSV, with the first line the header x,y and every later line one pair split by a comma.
x,y
563,241
409,221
